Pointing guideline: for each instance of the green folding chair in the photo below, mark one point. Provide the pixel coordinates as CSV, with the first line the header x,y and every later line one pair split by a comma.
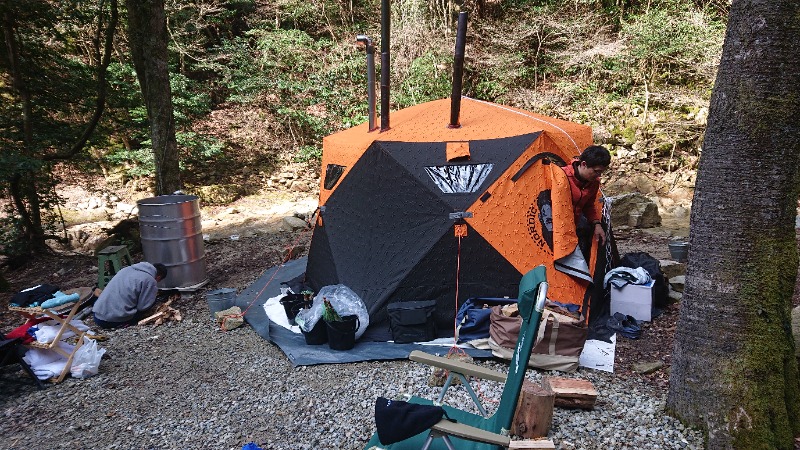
x,y
472,431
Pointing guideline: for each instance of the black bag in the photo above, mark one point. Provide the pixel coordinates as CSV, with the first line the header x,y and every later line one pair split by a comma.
x,y
653,267
34,296
412,321
396,420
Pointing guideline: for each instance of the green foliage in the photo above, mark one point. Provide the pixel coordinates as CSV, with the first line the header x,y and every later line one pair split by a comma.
x,y
308,153
190,102
672,47
429,78
578,93
313,86
12,239
137,162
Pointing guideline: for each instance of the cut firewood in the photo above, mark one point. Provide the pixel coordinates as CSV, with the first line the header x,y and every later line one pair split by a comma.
x,y
532,443
572,393
163,313
534,413
149,319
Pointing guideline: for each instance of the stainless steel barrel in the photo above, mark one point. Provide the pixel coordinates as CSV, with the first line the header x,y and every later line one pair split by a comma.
x,y
172,235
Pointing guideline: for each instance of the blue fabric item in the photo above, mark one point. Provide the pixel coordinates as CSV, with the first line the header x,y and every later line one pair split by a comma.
x,y
251,446
625,325
571,307
60,299
472,318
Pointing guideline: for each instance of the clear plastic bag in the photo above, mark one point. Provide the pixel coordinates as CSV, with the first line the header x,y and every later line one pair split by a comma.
x,y
343,300
86,361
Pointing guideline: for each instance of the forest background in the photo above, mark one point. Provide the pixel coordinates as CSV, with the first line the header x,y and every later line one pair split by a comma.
x,y
257,84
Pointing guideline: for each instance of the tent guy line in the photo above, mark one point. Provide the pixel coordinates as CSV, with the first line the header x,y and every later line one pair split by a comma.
x,y
528,116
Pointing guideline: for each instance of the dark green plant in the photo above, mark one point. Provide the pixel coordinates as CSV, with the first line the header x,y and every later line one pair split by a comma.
x,y
329,314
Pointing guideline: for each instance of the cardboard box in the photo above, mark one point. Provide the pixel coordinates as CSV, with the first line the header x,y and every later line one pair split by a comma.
x,y
634,300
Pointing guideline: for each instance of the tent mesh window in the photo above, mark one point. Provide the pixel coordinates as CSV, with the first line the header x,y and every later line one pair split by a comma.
x,y
332,174
460,179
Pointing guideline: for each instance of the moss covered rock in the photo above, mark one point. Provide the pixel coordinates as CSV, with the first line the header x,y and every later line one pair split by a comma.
x,y
219,194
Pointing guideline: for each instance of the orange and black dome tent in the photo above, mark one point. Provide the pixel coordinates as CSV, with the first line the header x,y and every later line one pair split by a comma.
x,y
390,202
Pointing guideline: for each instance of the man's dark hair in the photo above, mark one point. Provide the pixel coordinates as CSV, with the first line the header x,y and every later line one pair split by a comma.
x,y
596,155
161,270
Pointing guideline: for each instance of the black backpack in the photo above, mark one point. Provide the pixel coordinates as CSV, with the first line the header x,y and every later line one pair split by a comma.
x,y
653,267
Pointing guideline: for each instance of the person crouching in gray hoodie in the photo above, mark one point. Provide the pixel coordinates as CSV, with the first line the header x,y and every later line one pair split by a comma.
x,y
128,296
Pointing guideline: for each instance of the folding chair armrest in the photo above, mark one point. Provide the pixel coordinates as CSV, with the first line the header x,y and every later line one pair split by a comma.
x,y
463,431
447,428
457,366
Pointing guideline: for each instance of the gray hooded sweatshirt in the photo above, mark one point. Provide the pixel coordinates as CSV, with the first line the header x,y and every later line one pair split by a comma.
x,y
132,291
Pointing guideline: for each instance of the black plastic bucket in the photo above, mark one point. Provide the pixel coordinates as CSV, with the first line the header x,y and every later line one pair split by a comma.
x,y
292,304
342,333
318,335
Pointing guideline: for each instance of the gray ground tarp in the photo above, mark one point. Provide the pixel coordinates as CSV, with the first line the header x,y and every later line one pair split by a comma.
x,y
294,345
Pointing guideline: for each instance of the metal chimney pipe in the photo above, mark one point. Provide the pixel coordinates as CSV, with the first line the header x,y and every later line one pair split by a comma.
x,y
370,78
458,71
386,13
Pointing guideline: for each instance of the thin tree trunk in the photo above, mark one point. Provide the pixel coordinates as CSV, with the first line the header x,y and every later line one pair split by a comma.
x,y
734,372
17,80
147,33
23,184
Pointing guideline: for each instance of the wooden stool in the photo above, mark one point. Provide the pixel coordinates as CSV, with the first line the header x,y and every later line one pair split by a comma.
x,y
111,260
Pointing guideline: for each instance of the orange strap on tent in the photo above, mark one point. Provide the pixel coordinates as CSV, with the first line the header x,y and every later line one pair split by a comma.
x,y
461,230
458,271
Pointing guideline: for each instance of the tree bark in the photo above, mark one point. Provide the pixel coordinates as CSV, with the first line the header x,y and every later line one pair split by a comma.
x,y
734,372
147,33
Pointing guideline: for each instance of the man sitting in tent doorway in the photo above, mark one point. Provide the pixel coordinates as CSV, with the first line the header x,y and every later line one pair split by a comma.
x,y
584,180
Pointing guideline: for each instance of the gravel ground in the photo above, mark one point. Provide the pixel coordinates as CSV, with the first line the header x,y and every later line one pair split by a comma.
x,y
189,385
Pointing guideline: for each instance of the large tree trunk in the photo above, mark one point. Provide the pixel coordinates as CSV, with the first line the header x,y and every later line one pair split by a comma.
x,y
734,372
147,33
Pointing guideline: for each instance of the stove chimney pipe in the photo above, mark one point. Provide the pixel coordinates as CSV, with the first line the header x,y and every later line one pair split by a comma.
x,y
458,71
386,13
363,39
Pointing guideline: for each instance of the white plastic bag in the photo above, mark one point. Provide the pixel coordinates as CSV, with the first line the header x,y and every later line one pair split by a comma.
x,y
86,361
344,301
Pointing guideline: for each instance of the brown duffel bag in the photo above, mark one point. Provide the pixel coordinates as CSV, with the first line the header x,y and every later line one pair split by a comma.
x,y
558,345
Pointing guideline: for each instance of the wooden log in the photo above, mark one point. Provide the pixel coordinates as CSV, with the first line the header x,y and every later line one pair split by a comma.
x,y
572,393
151,318
534,413
538,443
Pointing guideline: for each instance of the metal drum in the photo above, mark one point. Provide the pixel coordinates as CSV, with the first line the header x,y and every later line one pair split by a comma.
x,y
172,235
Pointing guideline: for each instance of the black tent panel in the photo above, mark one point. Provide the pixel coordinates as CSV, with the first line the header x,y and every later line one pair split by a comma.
x,y
379,222
320,270
484,272
489,159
